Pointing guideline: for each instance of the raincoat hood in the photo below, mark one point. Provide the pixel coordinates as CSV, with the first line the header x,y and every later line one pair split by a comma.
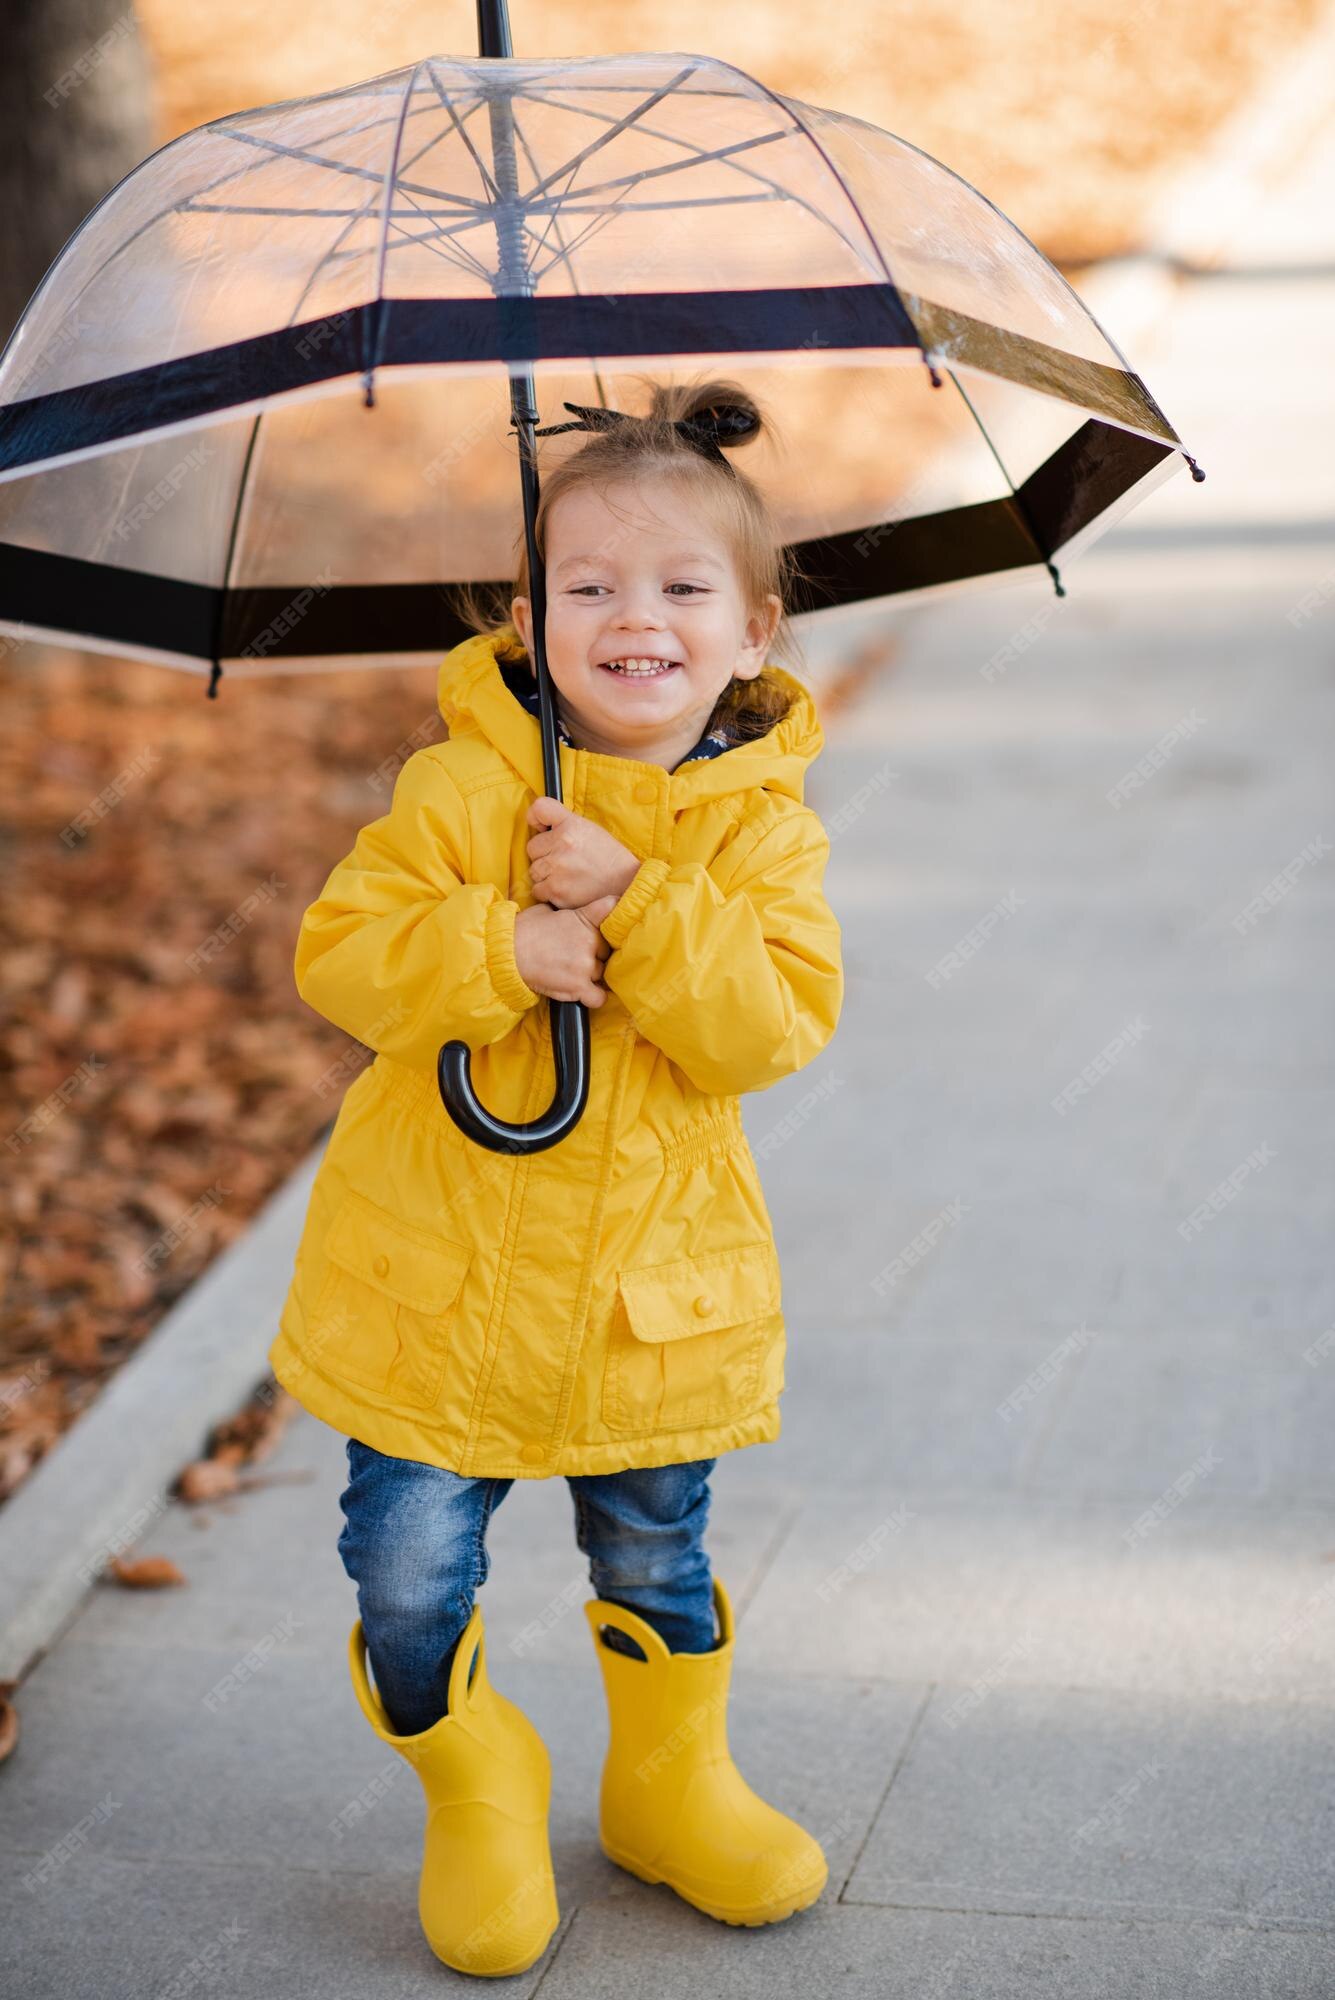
x,y
473,699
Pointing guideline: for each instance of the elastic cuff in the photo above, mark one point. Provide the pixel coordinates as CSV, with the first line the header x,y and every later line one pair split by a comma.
x,y
506,977
634,900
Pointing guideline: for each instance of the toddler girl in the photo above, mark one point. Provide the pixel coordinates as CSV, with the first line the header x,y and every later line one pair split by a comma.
x,y
608,1309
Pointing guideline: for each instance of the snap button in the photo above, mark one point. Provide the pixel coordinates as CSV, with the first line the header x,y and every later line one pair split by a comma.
x,y
533,1454
381,1265
646,791
704,1304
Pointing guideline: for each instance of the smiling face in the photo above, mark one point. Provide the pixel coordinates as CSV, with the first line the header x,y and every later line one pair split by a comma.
x,y
638,576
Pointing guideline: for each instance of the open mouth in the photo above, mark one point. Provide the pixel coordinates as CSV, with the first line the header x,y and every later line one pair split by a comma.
x,y
640,670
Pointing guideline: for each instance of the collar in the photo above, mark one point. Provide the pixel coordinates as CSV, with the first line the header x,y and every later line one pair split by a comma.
x,y
525,689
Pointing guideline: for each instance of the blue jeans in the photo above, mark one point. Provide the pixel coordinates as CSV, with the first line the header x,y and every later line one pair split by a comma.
x,y
414,1543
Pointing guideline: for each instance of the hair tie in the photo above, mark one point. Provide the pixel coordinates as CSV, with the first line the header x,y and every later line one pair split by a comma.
x,y
704,430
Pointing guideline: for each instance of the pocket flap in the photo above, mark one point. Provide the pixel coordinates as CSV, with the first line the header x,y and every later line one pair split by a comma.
x,y
404,1263
701,1294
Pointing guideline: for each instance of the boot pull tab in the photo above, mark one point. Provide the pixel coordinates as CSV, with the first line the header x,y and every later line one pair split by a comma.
x,y
467,1671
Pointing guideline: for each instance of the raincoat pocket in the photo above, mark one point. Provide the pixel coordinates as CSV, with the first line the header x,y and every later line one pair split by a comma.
x,y
385,1309
688,1339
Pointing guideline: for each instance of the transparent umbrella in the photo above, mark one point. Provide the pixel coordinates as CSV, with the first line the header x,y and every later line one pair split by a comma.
x,y
250,421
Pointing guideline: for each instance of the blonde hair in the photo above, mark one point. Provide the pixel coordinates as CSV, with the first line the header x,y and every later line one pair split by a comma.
x,y
651,448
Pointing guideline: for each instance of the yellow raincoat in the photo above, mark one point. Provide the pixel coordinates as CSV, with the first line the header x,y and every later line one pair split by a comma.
x,y
612,1301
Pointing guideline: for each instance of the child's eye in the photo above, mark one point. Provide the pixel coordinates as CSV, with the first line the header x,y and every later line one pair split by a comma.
x,y
579,589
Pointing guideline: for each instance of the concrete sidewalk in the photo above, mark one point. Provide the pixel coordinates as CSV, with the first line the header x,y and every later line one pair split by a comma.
x,y
1037,1590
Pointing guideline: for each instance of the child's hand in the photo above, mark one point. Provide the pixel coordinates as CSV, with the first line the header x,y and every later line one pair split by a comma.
x,y
561,952
573,859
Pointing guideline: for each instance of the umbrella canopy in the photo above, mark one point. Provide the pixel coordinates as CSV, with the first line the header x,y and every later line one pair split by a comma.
x,y
252,417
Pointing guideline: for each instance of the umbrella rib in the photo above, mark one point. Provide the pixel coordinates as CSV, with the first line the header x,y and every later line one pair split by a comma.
x,y
619,125
389,183
599,387
724,153
464,260
328,255
654,207
484,173
800,126
601,218
1020,507
221,608
672,139
556,212
629,181
179,208
345,167
192,207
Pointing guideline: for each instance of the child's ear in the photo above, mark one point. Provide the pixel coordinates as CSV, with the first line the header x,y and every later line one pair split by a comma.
x,y
519,613
760,629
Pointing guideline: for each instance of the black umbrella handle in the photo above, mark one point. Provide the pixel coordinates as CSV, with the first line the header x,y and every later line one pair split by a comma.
x,y
569,1018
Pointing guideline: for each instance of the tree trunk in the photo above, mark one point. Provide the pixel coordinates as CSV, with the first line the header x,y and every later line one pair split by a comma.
x,y
75,116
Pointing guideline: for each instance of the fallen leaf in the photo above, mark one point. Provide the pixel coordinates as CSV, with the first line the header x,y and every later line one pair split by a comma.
x,y
145,1572
206,1479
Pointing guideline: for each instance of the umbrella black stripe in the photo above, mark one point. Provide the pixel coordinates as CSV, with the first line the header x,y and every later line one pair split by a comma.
x,y
573,328
1085,476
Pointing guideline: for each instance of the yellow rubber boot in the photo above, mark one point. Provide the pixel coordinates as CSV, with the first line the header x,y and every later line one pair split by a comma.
x,y
674,1807
487,1896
